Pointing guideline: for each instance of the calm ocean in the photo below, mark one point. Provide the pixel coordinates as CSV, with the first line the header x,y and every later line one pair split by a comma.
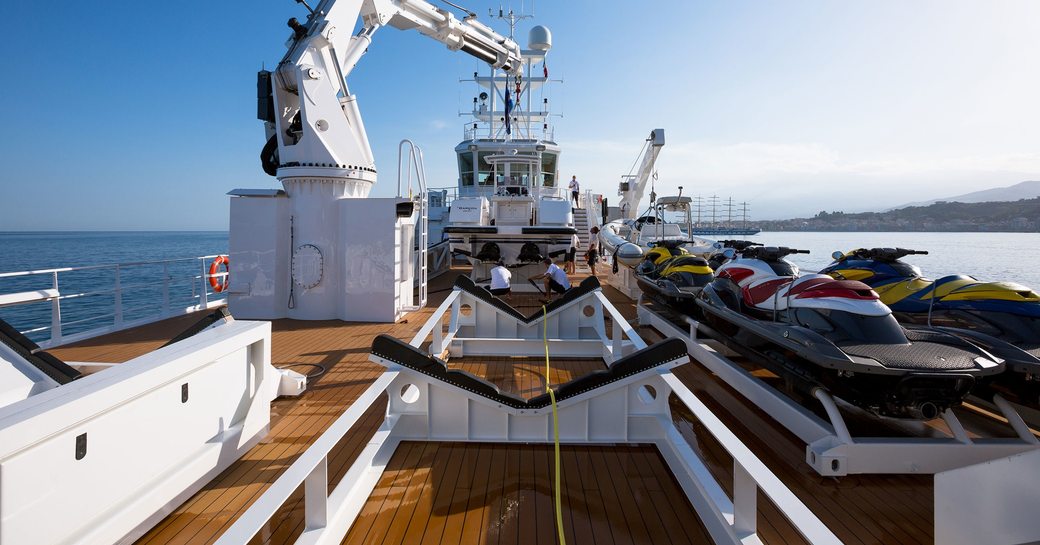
x,y
987,256
142,285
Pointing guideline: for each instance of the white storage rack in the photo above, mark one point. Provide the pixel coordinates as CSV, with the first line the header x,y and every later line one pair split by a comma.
x,y
830,449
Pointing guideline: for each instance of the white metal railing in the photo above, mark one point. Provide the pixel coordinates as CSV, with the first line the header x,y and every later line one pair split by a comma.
x,y
443,195
194,288
311,470
439,258
621,328
434,326
415,165
520,130
750,475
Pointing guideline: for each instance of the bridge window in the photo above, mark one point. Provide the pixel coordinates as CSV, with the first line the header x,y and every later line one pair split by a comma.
x,y
466,168
549,169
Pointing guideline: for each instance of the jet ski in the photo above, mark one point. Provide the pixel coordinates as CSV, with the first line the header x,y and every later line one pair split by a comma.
x,y
1001,317
816,331
670,274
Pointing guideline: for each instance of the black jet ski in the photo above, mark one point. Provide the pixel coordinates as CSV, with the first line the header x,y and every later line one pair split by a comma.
x,y
816,331
671,275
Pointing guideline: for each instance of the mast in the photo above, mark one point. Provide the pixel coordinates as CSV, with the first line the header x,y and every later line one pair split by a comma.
x,y
714,206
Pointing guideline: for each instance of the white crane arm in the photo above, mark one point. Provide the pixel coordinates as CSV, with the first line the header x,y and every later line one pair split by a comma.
x,y
633,186
313,119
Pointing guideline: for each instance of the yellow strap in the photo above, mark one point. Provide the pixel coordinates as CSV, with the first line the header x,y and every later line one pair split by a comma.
x,y
556,428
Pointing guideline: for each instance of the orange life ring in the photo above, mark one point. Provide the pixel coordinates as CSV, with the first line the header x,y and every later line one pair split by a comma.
x,y
218,285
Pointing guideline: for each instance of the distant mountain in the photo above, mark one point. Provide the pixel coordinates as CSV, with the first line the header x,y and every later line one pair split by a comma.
x,y
1021,216
1021,190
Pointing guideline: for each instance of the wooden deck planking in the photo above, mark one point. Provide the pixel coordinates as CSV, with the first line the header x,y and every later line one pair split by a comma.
x,y
520,516
860,509
525,376
343,349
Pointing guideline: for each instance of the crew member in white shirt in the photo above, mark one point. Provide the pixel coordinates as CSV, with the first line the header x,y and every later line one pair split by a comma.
x,y
500,281
592,255
555,279
575,189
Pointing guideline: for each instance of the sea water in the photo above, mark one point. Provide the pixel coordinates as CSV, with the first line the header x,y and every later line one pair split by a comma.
x,y
987,256
146,288
1011,257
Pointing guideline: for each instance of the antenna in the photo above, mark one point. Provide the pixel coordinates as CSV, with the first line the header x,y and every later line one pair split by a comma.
x,y
512,17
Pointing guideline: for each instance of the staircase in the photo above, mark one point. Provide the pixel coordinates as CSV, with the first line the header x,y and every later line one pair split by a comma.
x,y
581,223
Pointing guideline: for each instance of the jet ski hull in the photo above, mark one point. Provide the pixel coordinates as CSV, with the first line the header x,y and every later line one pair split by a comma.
x,y
879,382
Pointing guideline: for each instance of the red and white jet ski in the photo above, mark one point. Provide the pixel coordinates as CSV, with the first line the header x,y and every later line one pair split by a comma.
x,y
816,331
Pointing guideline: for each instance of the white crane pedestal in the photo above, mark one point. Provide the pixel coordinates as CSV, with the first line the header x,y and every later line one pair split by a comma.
x,y
314,255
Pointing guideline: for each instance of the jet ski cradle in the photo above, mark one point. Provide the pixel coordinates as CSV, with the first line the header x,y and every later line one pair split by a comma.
x,y
831,450
390,352
480,324
626,403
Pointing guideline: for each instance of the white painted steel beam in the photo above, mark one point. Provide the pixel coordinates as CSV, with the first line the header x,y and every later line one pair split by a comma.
x,y
830,449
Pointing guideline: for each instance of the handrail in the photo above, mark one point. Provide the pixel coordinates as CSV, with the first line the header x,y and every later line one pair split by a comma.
x,y
620,325
104,266
747,466
435,323
193,286
310,469
415,159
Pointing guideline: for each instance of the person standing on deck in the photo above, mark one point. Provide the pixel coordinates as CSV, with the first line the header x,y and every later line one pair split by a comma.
x,y
575,190
555,279
592,255
568,263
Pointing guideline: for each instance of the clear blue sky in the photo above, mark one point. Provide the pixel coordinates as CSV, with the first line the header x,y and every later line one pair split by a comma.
x,y
141,115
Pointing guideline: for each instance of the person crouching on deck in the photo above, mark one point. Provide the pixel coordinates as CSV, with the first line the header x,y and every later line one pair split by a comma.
x,y
555,279
500,278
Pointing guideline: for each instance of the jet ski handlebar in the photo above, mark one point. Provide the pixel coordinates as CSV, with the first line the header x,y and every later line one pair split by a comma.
x,y
738,245
886,254
672,243
770,253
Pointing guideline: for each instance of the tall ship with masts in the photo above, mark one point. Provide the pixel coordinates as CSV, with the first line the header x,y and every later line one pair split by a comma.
x,y
721,225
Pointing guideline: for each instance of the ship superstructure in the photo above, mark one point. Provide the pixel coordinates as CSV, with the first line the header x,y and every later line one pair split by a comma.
x,y
510,203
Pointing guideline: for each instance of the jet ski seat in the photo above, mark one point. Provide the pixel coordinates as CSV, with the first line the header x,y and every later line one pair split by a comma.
x,y
825,286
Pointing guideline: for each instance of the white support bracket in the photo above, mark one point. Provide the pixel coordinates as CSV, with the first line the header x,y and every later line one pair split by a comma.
x,y
830,449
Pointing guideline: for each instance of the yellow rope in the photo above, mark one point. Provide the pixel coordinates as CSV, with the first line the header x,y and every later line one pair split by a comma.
x,y
556,428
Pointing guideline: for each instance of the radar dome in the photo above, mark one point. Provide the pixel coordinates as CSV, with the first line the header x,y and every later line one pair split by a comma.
x,y
539,39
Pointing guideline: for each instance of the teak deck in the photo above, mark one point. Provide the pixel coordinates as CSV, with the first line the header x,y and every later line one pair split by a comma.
x,y
436,493
506,495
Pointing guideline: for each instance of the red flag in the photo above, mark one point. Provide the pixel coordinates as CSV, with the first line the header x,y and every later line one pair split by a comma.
x,y
545,69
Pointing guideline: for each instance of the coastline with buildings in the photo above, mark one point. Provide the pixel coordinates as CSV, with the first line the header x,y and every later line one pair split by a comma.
x,y
1021,216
